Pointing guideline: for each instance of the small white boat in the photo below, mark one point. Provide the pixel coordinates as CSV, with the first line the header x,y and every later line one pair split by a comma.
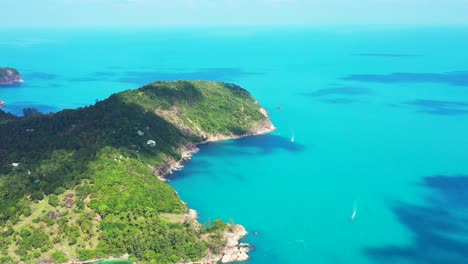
x,y
353,215
292,139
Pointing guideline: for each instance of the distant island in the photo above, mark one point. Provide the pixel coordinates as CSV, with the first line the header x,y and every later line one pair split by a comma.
x,y
84,185
9,76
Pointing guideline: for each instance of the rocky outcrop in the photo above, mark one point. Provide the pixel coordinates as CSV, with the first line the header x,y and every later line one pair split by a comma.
x,y
232,251
235,251
9,76
171,165
263,127
46,261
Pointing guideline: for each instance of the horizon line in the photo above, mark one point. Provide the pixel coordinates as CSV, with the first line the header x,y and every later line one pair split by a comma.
x,y
253,26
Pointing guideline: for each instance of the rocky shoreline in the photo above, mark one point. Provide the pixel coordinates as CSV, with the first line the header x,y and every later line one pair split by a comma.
x,y
170,166
90,261
233,250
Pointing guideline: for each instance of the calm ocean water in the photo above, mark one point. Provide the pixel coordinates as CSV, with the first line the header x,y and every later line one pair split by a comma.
x,y
379,120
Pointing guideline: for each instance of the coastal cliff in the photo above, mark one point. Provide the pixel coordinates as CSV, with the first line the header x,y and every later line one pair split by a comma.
x,y
9,76
85,185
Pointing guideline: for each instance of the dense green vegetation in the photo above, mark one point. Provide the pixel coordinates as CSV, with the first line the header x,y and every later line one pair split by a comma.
x,y
6,117
78,183
200,107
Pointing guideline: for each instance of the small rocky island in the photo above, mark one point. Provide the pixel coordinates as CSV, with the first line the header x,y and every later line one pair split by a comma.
x,y
83,185
9,76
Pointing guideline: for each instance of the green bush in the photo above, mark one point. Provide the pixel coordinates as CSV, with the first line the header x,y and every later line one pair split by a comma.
x,y
24,233
63,220
86,254
26,211
72,241
59,190
37,196
59,257
49,221
83,190
80,204
217,225
53,200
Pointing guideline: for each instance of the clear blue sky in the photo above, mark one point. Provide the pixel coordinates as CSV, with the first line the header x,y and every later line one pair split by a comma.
x,y
168,13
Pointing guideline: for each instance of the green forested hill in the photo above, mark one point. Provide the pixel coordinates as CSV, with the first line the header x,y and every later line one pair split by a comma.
x,y
77,183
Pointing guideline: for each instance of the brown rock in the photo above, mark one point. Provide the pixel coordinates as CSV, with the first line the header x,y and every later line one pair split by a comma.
x,y
54,214
9,76
46,261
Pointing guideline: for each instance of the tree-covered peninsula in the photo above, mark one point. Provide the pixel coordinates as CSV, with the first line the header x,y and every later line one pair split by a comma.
x,y
9,76
86,183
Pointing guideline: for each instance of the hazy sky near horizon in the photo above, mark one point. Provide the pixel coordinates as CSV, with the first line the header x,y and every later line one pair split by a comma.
x,y
168,13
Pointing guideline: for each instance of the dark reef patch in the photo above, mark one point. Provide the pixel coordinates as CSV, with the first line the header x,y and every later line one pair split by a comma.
x,y
144,77
438,227
341,90
452,189
39,76
247,146
267,144
388,55
437,107
11,85
214,74
256,145
339,101
457,78
104,74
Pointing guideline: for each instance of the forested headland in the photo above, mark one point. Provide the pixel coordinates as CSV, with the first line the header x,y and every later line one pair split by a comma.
x,y
81,183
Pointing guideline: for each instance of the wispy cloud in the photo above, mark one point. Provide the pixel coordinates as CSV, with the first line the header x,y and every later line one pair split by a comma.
x,y
63,13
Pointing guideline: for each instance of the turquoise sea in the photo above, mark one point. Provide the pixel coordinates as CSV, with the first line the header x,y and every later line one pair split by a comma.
x,y
379,118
